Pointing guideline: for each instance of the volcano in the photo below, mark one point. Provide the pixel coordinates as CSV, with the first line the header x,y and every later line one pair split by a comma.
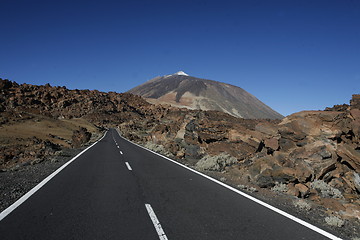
x,y
181,90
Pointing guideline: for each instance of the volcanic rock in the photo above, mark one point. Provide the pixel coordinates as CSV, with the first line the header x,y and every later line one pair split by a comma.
x,y
303,148
80,137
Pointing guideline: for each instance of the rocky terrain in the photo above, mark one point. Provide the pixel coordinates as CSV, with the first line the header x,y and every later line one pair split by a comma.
x,y
182,90
40,121
311,157
309,160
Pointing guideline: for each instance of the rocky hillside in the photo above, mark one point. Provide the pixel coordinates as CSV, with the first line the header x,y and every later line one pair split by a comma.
x,y
39,121
181,90
62,103
312,156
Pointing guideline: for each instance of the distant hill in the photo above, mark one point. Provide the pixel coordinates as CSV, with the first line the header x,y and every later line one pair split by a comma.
x,y
182,90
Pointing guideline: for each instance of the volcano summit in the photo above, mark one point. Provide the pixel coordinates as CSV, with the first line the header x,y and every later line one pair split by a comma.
x,y
181,90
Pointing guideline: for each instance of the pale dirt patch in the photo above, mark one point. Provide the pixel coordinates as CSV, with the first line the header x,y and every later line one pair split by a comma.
x,y
43,128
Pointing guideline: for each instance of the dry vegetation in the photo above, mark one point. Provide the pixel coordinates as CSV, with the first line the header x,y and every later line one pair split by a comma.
x,y
59,131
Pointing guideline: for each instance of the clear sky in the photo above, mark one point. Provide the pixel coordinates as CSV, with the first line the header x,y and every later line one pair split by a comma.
x,y
293,55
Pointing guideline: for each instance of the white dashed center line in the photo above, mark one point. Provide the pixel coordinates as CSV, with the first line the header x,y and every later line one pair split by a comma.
x,y
128,166
156,222
121,152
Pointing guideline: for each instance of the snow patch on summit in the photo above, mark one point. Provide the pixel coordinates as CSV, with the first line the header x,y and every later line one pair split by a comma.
x,y
181,73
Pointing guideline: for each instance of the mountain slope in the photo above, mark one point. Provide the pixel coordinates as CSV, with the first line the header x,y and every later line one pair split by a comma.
x,y
182,90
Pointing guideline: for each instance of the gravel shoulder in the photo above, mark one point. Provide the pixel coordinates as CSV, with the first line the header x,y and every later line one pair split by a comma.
x,y
16,182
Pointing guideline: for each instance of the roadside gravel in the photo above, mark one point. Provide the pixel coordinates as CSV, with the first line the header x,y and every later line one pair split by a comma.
x,y
16,182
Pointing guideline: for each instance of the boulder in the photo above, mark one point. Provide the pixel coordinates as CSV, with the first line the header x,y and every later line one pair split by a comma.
x,y
265,180
284,175
349,156
352,179
286,144
272,143
80,137
293,191
266,128
303,190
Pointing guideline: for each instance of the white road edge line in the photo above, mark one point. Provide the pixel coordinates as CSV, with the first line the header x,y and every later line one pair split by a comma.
x,y
281,212
156,222
16,204
128,166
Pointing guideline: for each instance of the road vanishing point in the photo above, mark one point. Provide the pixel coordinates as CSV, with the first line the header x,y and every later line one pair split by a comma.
x,y
118,190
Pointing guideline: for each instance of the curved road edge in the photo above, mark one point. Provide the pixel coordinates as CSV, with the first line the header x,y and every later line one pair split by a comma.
x,y
277,210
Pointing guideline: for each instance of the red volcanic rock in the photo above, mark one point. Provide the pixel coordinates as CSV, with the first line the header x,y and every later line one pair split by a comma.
x,y
349,156
303,190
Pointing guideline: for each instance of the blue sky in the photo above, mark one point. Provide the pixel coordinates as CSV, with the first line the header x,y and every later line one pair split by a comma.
x,y
293,55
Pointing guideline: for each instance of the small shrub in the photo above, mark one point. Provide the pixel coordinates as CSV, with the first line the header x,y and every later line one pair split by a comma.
x,y
280,187
334,221
326,190
223,179
158,148
302,205
215,163
250,189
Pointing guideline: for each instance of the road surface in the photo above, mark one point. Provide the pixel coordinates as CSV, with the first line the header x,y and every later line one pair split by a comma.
x,y
117,190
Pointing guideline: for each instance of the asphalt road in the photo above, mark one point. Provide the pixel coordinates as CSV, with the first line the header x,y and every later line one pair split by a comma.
x,y
108,193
